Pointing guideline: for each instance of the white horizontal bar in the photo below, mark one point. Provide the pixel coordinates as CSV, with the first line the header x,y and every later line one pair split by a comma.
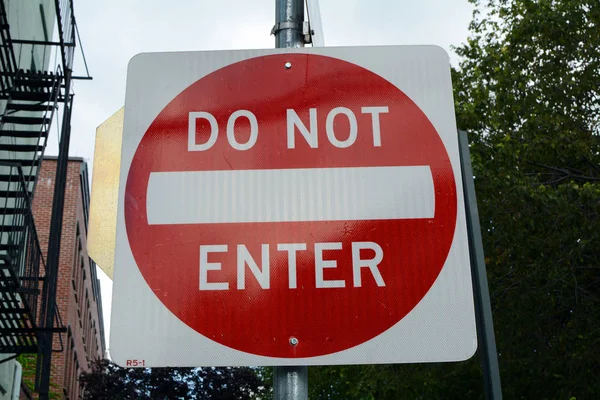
x,y
289,195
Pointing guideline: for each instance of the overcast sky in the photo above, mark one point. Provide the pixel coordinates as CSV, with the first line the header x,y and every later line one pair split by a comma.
x,y
113,31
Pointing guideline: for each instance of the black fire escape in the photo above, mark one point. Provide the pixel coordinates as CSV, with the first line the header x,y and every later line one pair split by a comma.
x,y
31,99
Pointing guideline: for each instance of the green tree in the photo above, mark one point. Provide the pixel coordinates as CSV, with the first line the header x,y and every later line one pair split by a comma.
x,y
108,381
528,92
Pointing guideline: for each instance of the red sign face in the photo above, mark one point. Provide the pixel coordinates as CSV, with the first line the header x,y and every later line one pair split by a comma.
x,y
326,306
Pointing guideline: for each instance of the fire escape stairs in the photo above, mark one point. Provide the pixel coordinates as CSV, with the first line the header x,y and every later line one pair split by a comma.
x,y
24,128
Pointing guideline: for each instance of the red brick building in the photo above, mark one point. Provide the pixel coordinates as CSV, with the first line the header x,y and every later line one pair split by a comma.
x,y
78,288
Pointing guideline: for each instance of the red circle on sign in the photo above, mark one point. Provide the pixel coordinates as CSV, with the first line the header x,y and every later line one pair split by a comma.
x,y
262,321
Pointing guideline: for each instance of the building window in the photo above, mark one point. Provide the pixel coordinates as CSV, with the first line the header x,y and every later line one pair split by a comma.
x,y
68,361
74,381
44,27
77,266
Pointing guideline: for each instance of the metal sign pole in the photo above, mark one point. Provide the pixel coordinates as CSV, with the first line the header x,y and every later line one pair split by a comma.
x,y
483,309
289,383
289,23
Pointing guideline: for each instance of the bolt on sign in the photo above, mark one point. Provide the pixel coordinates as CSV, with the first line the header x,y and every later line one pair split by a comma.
x,y
291,207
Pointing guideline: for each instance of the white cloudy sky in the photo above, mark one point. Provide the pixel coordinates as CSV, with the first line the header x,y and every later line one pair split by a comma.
x,y
113,31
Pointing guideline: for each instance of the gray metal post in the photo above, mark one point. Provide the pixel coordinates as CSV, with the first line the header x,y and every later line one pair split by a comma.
x,y
483,308
289,383
289,20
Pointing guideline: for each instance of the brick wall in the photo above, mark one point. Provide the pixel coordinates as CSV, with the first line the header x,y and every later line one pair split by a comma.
x,y
76,291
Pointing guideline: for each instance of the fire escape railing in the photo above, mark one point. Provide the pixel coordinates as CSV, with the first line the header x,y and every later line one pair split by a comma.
x,y
22,268
66,31
22,254
24,84
65,23
8,62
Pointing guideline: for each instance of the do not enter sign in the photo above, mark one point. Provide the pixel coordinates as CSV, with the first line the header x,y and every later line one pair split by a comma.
x,y
286,205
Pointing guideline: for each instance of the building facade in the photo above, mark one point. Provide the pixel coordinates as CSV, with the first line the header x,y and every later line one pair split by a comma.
x,y
78,288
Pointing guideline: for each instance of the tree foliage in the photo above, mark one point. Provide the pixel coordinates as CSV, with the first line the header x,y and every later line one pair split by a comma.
x,y
528,92
109,381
